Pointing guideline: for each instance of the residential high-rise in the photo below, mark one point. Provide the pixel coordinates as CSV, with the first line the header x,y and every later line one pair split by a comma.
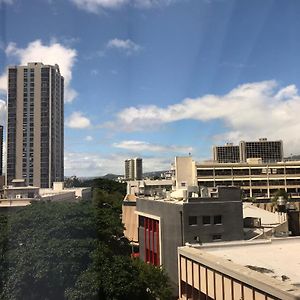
x,y
138,168
134,169
35,124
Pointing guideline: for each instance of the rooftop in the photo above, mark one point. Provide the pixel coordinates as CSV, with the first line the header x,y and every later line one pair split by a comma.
x,y
269,219
211,163
276,260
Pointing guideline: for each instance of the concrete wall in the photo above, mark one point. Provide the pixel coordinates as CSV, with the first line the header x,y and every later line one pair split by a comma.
x,y
171,235
185,171
175,228
130,220
63,197
230,229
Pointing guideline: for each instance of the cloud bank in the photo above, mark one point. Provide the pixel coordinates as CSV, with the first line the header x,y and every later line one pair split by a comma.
x,y
95,164
96,6
249,111
54,53
140,146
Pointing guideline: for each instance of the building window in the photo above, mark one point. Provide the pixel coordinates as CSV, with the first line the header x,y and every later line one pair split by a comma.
x,y
141,221
217,237
206,220
192,220
218,220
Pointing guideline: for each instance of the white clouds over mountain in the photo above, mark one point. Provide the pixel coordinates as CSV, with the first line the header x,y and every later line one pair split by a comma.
x,y
95,164
249,111
54,53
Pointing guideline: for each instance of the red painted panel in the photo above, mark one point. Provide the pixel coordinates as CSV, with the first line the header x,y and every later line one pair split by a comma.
x,y
151,227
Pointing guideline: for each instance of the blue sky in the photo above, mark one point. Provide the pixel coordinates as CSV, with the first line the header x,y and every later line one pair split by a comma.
x,y
159,78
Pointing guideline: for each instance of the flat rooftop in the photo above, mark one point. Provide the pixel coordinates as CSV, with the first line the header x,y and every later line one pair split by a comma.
x,y
267,218
278,259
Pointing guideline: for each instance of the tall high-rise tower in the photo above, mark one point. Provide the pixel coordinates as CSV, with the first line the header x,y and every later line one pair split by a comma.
x,y
35,124
134,169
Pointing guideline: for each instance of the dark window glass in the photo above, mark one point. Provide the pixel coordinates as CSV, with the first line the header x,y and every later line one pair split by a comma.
x,y
206,220
141,221
218,219
192,220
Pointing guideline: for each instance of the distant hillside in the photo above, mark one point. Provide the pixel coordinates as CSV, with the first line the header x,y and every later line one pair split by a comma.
x,y
111,176
152,174
293,157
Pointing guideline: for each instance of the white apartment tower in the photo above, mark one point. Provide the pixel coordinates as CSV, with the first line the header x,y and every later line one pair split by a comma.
x,y
134,169
35,124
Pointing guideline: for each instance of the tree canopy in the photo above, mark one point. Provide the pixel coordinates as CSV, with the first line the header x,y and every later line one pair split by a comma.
x,y
73,251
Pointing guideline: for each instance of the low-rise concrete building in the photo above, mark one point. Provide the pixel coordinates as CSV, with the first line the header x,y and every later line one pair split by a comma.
x,y
256,178
19,194
59,193
148,187
257,270
165,224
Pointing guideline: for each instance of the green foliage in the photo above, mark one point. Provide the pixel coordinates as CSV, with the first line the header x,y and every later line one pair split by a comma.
x,y
155,280
110,186
73,181
279,193
73,251
49,245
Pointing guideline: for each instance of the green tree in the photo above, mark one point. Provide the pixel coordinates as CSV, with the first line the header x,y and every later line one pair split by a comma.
x,y
48,246
109,186
72,251
277,194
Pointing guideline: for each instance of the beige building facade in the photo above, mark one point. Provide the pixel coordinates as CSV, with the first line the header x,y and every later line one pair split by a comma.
x,y
256,179
35,124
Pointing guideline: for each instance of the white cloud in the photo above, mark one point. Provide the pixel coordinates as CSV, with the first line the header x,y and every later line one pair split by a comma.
x,y
96,6
3,82
89,138
54,53
95,164
140,146
124,45
78,120
249,111
3,108
153,3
